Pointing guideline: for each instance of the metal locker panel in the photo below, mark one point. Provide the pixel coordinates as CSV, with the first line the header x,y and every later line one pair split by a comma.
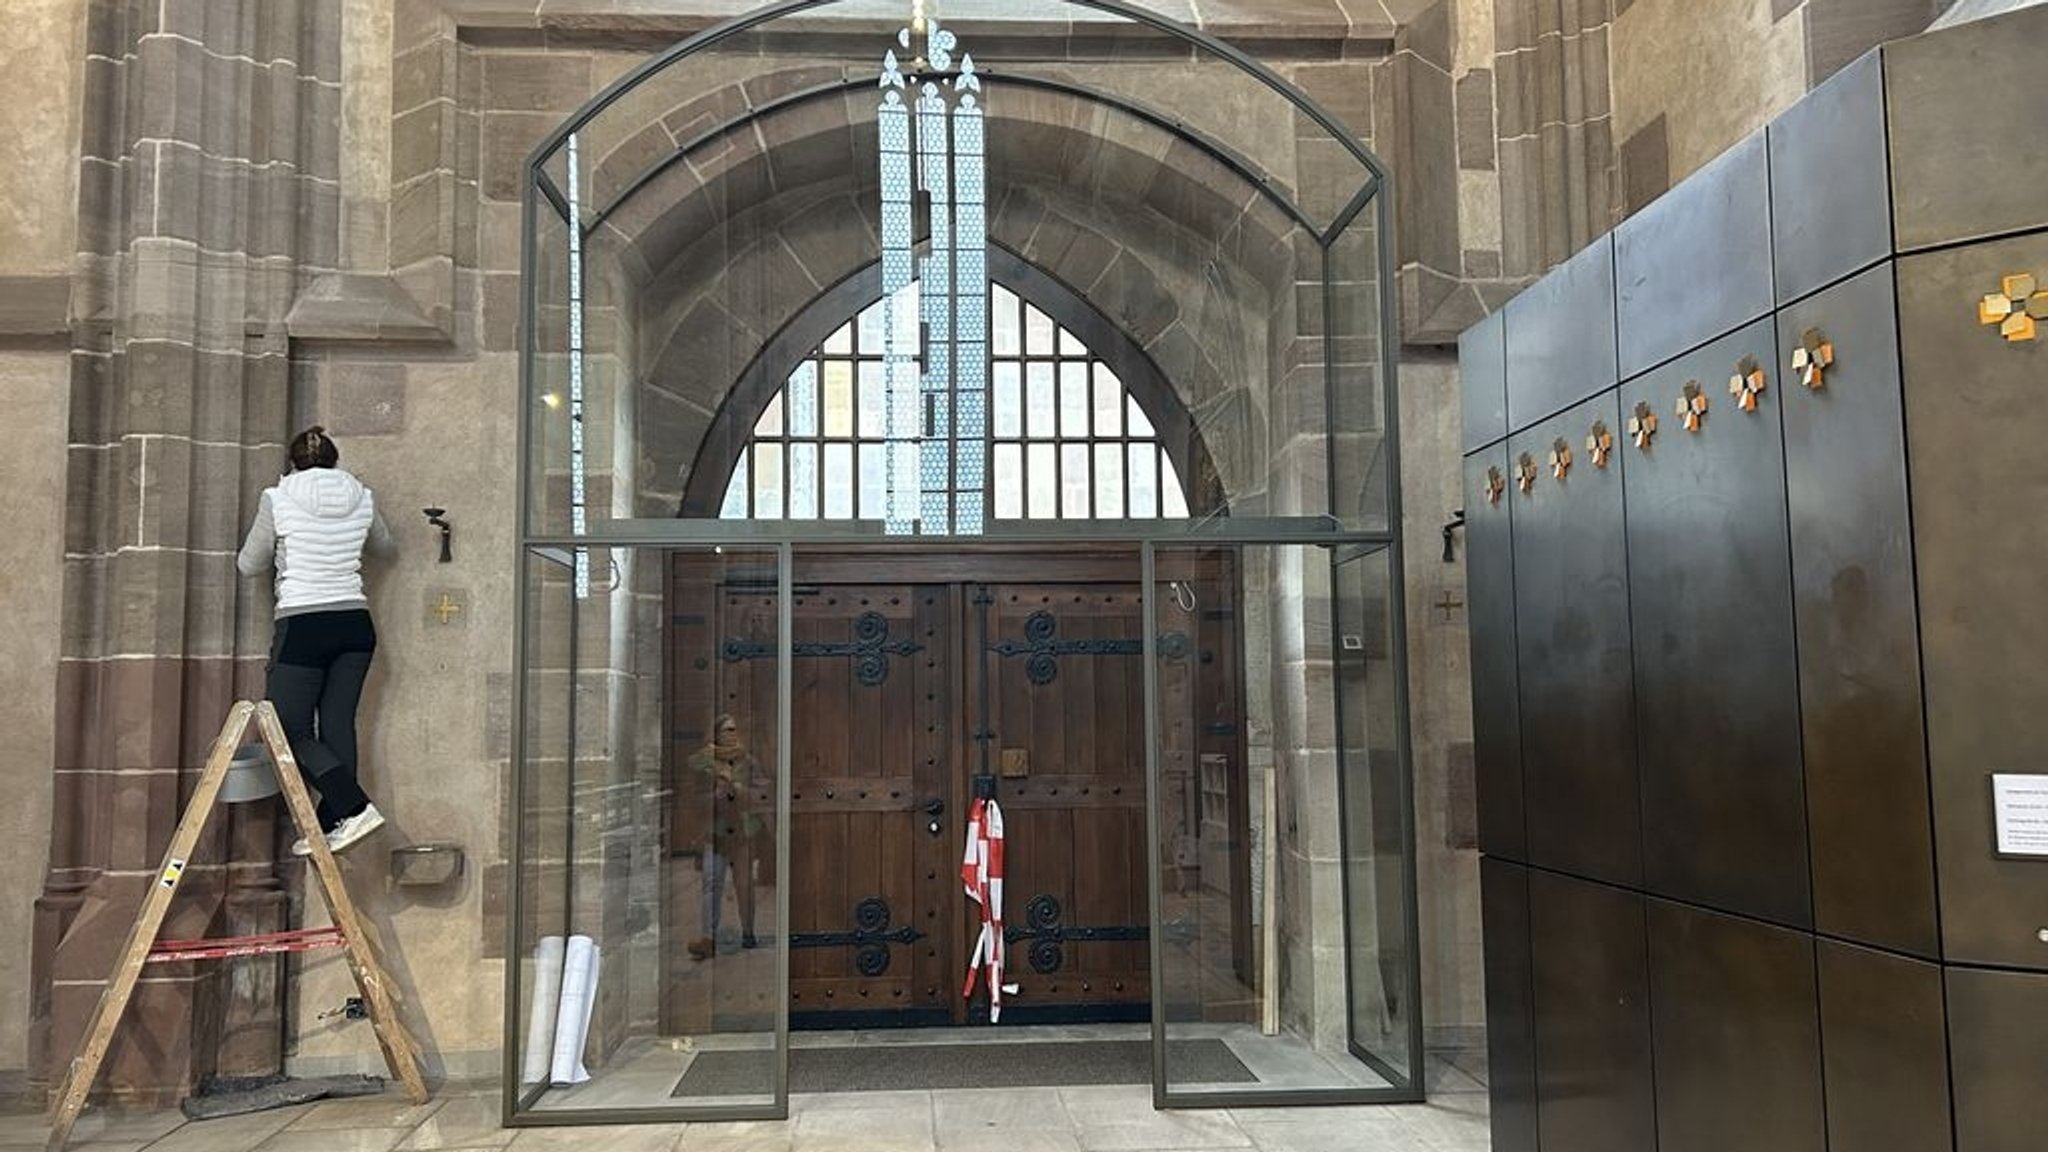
x,y
1831,209
1717,716
1697,262
1573,659
1482,374
1980,490
1885,1051
1965,165
1998,1057
1490,600
1853,600
1560,336
1593,1085
1738,1039
1510,1019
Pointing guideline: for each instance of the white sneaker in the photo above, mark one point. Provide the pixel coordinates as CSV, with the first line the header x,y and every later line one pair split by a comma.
x,y
354,828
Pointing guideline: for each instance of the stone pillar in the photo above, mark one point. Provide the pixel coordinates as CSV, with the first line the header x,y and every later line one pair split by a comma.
x,y
207,191
1557,154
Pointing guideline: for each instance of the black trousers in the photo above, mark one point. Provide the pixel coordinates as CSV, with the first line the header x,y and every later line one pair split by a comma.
x,y
318,662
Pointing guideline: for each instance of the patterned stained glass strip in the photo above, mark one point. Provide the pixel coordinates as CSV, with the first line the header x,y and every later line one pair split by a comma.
x,y
578,515
898,271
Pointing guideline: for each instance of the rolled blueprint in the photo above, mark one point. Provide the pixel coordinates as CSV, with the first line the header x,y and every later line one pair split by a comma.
x,y
540,1018
572,1026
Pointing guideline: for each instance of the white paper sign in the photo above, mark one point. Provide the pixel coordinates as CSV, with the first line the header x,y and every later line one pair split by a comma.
x,y
2019,807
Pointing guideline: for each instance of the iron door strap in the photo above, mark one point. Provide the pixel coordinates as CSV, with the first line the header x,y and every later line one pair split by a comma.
x,y
1047,935
870,649
870,937
1042,647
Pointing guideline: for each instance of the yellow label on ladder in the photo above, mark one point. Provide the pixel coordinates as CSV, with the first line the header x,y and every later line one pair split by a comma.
x,y
173,869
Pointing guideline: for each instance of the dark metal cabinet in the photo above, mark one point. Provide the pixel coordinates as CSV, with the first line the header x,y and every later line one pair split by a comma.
x,y
1483,382
1964,165
1510,1013
1853,598
1697,262
1831,210
1572,652
1490,596
1998,1044
1738,1043
1980,488
1724,811
1593,1084
1560,337
1881,1023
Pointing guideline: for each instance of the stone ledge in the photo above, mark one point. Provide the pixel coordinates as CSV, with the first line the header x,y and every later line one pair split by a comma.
x,y
361,306
35,305
1436,307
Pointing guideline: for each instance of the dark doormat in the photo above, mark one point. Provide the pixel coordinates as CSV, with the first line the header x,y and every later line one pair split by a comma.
x,y
998,1064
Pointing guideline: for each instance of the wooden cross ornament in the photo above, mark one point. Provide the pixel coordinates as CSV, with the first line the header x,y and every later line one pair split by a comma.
x,y
1599,444
1814,356
1560,458
1748,383
1692,406
1642,427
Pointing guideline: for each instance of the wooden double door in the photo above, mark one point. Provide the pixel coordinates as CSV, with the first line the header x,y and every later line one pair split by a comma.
x,y
912,676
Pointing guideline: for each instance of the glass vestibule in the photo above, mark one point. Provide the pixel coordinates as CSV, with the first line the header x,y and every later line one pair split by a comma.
x,y
712,248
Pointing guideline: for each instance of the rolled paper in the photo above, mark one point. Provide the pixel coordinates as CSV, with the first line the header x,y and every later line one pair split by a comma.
x,y
572,1025
540,1017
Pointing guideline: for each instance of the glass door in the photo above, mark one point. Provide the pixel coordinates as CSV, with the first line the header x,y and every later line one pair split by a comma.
x,y
1278,828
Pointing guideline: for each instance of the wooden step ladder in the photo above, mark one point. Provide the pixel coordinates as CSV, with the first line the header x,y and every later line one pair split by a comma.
x,y
348,932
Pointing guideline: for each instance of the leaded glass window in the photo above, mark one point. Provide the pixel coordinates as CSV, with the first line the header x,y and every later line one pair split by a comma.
x,y
1066,440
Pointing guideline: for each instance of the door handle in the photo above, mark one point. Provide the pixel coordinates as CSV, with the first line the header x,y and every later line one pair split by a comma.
x,y
935,808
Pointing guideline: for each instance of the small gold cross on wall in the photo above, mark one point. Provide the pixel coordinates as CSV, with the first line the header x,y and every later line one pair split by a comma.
x,y
446,608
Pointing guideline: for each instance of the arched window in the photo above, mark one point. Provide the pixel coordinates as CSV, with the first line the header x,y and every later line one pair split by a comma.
x,y
1066,440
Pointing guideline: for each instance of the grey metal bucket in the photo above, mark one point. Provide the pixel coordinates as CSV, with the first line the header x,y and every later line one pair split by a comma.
x,y
251,775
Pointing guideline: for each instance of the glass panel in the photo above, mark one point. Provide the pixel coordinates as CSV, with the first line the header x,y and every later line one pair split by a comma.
x,y
1173,500
803,399
1070,344
767,481
874,481
1141,426
1074,481
1041,475
1109,402
1009,482
1038,329
1074,400
1252,848
1006,333
544,813
1040,403
1144,462
736,492
874,401
838,398
874,323
803,481
840,342
1376,815
1009,404
1109,481
839,490
1358,436
770,423
622,825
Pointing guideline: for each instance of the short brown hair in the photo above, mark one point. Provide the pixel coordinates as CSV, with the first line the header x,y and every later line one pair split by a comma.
x,y
313,448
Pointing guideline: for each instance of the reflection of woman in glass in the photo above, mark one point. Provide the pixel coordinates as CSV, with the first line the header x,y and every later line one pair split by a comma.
x,y
730,773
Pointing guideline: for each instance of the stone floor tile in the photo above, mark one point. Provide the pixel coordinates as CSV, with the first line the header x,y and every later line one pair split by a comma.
x,y
105,1146
1157,1130
1382,1134
386,1111
460,1122
738,1136
334,1140
598,1138
906,1125
858,1102
229,1133
1107,1104
117,1126
1054,1138
968,1109
1441,1127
